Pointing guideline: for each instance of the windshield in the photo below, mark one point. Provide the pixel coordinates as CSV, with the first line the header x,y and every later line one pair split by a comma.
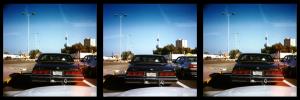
x,y
55,58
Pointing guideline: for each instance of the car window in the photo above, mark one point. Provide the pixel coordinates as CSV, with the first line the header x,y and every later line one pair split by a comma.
x,y
260,58
54,58
177,60
149,59
192,59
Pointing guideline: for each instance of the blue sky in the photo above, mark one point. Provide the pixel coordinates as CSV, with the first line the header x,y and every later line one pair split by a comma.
x,y
52,22
143,23
252,22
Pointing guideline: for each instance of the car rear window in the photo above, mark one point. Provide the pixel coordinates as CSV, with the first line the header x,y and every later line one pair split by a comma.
x,y
55,58
256,58
149,59
192,59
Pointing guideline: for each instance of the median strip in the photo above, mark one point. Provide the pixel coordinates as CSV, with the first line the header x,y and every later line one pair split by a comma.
x,y
181,84
88,83
288,83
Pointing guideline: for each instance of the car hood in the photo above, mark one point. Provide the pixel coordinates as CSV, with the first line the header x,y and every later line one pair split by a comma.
x,y
156,91
151,67
255,65
66,90
259,91
54,66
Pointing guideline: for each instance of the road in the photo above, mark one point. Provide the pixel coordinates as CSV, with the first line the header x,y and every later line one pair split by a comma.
x,y
113,82
226,67
9,68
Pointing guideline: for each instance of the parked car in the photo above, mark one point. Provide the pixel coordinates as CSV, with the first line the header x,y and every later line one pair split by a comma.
x,y
89,68
256,67
186,66
150,69
290,63
56,68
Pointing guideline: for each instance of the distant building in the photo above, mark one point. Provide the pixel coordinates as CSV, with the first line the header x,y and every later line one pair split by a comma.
x,y
89,42
289,42
180,43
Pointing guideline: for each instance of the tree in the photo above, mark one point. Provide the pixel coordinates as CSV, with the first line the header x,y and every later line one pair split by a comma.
x,y
293,49
168,49
234,54
78,47
194,51
158,51
172,49
278,47
34,53
127,55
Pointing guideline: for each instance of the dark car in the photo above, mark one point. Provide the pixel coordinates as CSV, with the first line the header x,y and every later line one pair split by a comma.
x,y
150,69
89,68
186,66
56,68
290,63
256,68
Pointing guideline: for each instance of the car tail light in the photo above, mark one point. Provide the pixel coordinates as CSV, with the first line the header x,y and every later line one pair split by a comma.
x,y
40,72
135,73
274,72
72,73
167,74
192,65
241,72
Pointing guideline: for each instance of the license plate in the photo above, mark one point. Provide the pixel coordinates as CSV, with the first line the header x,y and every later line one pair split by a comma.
x,y
56,72
151,74
257,73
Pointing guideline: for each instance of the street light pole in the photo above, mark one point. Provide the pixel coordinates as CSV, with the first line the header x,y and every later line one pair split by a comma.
x,y
228,14
121,15
28,14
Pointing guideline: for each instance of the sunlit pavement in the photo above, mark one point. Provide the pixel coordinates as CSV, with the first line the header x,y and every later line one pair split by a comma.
x,y
215,68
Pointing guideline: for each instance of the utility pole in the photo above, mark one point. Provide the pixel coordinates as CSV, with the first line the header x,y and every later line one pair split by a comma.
x,y
121,15
228,14
36,45
28,14
236,41
157,41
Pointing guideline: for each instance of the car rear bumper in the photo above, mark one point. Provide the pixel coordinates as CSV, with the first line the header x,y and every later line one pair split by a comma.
x,y
191,72
134,80
49,79
256,79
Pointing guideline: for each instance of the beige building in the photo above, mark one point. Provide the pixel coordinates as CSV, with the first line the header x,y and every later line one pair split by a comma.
x,y
180,43
89,42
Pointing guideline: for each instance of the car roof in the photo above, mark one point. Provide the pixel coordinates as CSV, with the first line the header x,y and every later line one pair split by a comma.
x,y
148,55
188,56
254,54
54,54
